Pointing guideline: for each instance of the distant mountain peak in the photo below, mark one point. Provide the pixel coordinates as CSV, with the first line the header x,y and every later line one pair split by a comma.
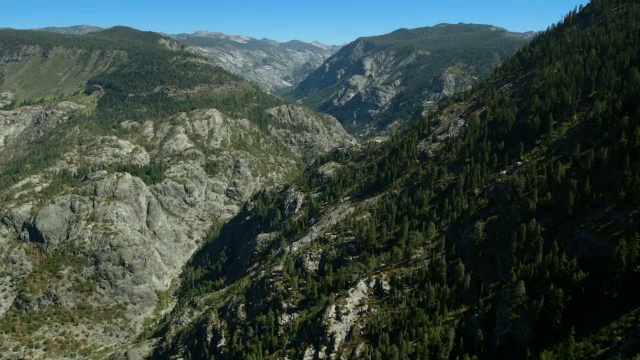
x,y
218,35
271,64
320,45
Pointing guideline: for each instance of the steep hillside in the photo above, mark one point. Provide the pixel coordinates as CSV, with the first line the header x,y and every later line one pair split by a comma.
x,y
504,227
272,65
119,152
35,66
374,81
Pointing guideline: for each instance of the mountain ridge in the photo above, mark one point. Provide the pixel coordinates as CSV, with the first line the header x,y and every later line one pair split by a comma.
x,y
378,80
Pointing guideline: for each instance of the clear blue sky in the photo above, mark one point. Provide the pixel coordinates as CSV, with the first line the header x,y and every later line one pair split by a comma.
x,y
330,21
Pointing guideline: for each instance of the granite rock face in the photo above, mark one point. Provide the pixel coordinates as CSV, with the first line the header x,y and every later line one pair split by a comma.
x,y
110,241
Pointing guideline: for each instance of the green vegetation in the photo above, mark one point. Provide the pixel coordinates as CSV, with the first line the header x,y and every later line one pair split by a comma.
x,y
24,320
26,323
53,263
150,174
517,239
212,167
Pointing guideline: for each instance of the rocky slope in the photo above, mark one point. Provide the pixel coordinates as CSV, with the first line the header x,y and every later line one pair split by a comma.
x,y
503,227
106,192
272,65
378,80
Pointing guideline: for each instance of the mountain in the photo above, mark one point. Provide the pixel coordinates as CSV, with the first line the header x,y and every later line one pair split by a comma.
x,y
503,226
73,30
375,81
272,65
119,152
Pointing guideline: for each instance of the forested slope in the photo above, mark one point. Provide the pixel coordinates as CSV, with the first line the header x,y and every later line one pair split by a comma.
x,y
514,236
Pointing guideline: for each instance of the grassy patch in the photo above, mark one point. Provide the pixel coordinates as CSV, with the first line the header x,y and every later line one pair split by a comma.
x,y
20,323
56,73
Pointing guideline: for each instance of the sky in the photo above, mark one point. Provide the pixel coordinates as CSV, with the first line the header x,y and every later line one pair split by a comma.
x,y
328,21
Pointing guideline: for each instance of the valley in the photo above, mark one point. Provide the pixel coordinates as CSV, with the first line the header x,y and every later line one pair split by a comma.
x,y
457,191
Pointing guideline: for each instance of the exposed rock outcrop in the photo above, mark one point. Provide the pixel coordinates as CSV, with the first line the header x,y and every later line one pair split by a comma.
x,y
125,241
